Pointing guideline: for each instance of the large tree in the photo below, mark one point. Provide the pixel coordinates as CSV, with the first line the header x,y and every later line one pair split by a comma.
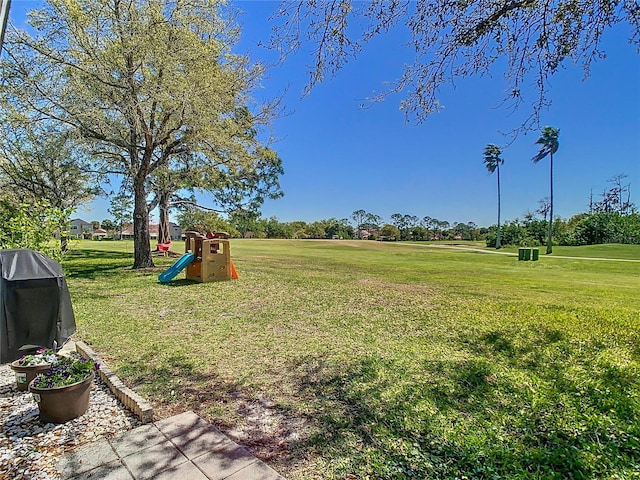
x,y
493,160
234,184
359,217
549,144
141,82
530,39
240,175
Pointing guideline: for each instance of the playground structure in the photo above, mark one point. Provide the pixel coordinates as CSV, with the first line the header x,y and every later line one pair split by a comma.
x,y
207,258
212,257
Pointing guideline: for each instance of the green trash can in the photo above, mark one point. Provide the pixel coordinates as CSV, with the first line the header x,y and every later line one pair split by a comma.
x,y
535,254
521,254
527,254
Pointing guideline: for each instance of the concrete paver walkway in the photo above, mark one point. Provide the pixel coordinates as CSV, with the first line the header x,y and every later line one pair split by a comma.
x,y
183,447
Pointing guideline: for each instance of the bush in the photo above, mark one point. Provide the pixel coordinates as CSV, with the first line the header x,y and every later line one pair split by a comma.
x,y
33,226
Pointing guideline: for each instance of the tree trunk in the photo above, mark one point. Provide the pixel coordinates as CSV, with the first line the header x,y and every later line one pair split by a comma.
x,y
498,245
164,235
549,236
141,240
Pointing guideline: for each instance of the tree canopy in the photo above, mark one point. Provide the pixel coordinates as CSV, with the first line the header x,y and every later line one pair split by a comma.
x,y
529,39
40,162
140,83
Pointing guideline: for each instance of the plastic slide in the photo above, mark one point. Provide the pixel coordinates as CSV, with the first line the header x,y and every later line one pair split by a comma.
x,y
177,267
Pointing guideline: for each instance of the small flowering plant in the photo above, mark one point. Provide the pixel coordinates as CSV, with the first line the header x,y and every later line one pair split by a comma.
x,y
43,356
67,371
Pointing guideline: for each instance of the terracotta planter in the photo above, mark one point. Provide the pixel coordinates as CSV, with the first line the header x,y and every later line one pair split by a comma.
x,y
24,374
61,404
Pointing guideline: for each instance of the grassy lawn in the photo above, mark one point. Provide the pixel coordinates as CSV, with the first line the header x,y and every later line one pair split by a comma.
x,y
359,359
629,252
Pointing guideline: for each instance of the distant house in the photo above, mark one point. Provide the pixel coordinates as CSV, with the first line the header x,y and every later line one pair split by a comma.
x,y
98,234
125,233
154,228
175,232
80,228
366,234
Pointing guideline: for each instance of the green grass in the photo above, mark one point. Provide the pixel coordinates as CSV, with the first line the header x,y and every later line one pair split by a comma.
x,y
609,251
362,359
629,252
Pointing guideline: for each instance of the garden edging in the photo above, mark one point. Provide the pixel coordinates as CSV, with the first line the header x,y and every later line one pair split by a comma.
x,y
130,399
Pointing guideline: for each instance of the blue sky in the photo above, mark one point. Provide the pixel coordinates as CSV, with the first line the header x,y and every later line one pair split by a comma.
x,y
339,157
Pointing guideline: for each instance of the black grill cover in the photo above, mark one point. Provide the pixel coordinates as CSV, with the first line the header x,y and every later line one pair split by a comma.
x,y
35,305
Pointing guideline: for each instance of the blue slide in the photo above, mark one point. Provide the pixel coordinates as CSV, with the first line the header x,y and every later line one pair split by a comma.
x,y
177,267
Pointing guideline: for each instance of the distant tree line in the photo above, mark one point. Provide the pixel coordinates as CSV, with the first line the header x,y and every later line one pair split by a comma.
x,y
613,219
361,225
581,229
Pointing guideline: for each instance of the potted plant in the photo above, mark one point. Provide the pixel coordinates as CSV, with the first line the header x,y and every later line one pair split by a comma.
x,y
62,391
28,366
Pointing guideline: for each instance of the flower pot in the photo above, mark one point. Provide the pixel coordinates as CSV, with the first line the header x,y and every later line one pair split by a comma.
x,y
24,373
61,404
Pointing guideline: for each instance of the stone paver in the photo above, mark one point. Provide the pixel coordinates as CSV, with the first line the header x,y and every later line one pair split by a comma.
x,y
146,464
201,441
181,424
185,471
256,471
183,446
224,462
137,439
110,471
87,458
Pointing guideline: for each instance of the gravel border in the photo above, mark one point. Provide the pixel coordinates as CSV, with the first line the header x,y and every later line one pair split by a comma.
x,y
29,448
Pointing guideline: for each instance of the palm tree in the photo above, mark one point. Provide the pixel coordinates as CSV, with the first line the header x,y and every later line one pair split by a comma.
x,y
548,142
492,161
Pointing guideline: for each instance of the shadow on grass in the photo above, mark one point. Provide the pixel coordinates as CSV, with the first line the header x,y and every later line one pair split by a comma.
x,y
564,413
177,385
90,264
180,282
539,407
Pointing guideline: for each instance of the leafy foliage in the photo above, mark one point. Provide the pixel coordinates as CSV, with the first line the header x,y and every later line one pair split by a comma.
x,y
530,40
604,227
390,232
548,142
66,371
197,220
33,226
41,162
582,229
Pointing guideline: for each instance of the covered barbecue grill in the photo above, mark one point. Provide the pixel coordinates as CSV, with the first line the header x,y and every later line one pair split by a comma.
x,y
35,305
